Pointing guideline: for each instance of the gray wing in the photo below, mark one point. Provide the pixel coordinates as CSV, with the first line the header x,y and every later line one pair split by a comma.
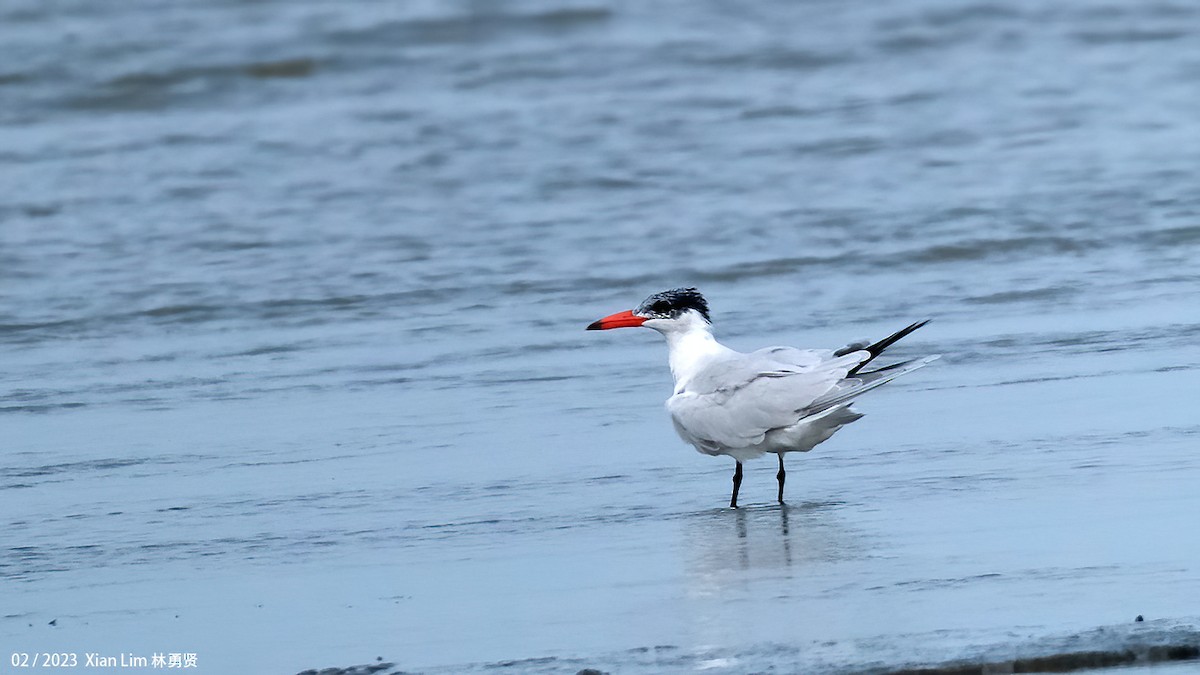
x,y
862,382
808,358
734,403
796,359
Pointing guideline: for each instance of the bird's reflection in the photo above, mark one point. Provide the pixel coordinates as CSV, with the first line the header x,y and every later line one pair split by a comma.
x,y
762,559
776,538
740,517
785,534
743,547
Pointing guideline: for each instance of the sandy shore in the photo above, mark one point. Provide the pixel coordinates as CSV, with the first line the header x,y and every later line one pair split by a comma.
x,y
1137,644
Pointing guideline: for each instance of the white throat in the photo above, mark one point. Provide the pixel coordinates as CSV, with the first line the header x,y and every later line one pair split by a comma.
x,y
690,346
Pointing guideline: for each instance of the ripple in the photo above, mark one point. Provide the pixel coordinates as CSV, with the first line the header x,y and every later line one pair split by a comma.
x,y
1129,36
474,28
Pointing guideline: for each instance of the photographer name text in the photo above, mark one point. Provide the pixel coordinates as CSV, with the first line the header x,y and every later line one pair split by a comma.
x,y
99,660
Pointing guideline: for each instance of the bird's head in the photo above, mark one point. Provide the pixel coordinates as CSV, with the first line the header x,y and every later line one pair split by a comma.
x,y
679,309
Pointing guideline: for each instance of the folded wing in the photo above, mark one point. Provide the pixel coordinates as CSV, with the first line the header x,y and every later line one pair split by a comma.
x,y
734,403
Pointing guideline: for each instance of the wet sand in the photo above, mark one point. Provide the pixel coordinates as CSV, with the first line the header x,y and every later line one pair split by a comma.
x,y
1152,647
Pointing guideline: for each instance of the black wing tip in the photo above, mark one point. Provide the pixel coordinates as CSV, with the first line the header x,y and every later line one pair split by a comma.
x,y
877,348
909,328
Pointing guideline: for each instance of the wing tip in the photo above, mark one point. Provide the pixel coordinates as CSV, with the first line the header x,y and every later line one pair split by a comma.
x,y
877,348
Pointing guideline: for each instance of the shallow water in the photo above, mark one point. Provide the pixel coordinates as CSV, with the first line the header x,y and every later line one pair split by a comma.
x,y
292,299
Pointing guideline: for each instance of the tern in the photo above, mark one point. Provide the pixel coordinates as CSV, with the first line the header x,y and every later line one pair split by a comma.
x,y
777,399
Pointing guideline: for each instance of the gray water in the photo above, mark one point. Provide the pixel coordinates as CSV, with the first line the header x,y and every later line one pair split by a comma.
x,y
294,374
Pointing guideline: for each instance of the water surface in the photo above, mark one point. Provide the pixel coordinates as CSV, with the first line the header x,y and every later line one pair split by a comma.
x,y
292,298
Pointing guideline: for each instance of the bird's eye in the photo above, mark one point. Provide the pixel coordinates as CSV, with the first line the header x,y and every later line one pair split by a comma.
x,y
660,307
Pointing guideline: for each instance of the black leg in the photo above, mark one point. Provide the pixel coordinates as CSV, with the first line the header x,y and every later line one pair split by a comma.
x,y
782,476
737,483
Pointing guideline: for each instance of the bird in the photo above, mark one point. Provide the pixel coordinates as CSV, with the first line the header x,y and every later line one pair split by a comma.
x,y
773,400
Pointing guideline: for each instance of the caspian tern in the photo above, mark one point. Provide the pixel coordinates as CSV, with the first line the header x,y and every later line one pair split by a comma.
x,y
777,399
